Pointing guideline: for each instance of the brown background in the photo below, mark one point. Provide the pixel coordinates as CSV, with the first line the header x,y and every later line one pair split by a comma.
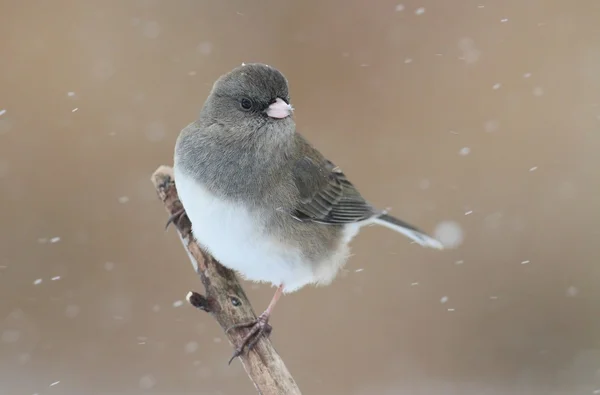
x,y
484,113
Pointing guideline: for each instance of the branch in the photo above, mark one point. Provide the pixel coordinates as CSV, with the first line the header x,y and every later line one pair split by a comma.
x,y
225,299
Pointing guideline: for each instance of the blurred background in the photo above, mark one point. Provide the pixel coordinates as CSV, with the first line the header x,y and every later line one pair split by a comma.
x,y
478,121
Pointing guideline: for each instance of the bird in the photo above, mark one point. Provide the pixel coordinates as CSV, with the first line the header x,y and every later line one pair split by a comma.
x,y
261,199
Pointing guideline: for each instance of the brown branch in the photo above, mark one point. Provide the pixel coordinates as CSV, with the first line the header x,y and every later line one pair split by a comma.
x,y
225,300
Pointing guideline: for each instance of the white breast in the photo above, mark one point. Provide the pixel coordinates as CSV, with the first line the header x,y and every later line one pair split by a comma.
x,y
233,235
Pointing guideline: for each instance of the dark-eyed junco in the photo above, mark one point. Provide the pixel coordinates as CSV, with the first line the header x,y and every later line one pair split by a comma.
x,y
260,198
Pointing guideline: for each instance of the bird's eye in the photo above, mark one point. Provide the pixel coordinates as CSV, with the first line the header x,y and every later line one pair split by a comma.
x,y
246,104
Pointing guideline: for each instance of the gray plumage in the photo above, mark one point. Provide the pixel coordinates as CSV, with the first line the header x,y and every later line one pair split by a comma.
x,y
289,209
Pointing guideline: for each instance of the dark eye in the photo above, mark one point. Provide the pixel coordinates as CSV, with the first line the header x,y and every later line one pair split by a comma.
x,y
246,104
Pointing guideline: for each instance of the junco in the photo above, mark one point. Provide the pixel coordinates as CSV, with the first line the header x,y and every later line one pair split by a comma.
x,y
260,198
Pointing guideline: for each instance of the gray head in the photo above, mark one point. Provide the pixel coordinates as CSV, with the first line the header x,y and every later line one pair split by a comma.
x,y
250,98
244,136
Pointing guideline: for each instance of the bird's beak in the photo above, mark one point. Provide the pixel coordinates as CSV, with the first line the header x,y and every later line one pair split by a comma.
x,y
280,109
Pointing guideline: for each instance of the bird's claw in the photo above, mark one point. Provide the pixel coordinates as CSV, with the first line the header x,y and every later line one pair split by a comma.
x,y
258,328
175,218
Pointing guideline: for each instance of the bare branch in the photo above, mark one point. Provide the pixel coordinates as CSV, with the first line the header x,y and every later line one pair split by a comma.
x,y
225,299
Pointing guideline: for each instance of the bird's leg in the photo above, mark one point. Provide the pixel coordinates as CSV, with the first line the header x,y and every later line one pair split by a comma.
x,y
258,327
175,217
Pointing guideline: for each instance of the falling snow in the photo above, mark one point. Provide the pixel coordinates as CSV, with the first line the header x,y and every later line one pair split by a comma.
x,y
151,29
538,91
100,61
572,291
205,48
491,126
469,52
449,233
72,311
147,382
191,347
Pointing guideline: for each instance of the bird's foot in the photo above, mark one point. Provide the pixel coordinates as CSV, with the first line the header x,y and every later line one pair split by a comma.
x,y
175,218
258,328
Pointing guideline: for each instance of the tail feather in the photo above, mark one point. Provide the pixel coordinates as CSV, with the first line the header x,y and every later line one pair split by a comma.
x,y
408,230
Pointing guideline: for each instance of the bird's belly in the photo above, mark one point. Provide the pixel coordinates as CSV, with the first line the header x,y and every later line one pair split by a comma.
x,y
236,238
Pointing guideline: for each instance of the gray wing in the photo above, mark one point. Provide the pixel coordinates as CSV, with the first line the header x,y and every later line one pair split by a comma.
x,y
326,195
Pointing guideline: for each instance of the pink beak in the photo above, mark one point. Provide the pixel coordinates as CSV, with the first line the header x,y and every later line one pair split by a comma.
x,y
280,109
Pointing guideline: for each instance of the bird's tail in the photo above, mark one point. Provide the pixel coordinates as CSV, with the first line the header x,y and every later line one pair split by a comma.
x,y
407,230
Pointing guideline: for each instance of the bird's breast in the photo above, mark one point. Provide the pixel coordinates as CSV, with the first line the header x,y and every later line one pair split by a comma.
x,y
238,236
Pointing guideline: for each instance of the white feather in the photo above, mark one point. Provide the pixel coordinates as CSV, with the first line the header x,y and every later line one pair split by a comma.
x,y
233,235
418,237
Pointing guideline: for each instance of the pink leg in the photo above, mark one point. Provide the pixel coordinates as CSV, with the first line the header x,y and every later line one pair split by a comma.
x,y
273,302
258,327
